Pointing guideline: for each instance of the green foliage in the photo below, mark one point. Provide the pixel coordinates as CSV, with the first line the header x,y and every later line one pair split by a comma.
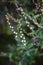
x,y
21,34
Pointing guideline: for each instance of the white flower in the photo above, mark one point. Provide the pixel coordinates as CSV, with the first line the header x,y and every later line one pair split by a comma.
x,y
20,31
23,37
25,44
16,36
14,32
27,25
31,28
25,17
22,41
22,34
10,26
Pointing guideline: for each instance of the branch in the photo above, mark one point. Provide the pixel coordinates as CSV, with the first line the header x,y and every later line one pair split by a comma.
x,y
9,16
35,22
38,15
27,34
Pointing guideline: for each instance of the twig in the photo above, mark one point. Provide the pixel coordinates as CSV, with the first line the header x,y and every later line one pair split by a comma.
x,y
38,15
35,22
28,35
9,16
